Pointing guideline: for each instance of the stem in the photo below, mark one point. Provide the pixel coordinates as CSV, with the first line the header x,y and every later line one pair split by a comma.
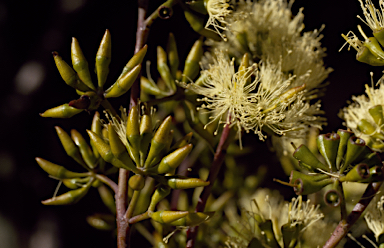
x,y
132,204
345,225
121,198
218,160
139,217
343,207
108,182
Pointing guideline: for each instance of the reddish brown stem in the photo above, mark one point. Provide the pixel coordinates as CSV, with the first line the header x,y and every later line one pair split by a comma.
x,y
345,225
218,160
121,203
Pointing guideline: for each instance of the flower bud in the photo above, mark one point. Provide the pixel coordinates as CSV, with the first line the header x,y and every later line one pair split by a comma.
x,y
133,133
134,61
103,59
160,193
167,217
375,175
192,66
146,136
187,183
379,35
374,47
159,141
96,128
101,222
68,74
197,22
57,171
192,219
173,56
107,198
356,174
69,146
122,85
71,197
306,184
62,111
354,147
71,183
84,148
328,145
164,70
307,159
367,128
365,56
344,137
136,182
145,196
333,197
377,114
173,160
150,87
183,141
80,64
269,237
117,147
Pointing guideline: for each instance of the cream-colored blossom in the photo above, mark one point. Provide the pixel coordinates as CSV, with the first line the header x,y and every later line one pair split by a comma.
x,y
375,218
358,110
374,17
217,11
303,213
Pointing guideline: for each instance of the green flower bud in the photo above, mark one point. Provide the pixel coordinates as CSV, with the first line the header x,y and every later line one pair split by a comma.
x,y
333,196
290,234
198,6
305,184
187,183
328,145
192,219
96,127
164,70
354,147
107,198
136,182
167,217
145,196
268,234
197,22
159,141
84,148
344,137
160,193
57,171
69,146
72,183
103,59
356,174
122,85
71,197
134,61
374,47
183,141
133,133
192,66
117,146
150,87
307,159
173,160
80,64
365,56
379,35
68,74
376,174
146,136
62,111
101,222
173,56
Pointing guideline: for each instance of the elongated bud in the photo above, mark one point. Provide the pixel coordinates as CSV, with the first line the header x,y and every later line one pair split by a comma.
x,y
69,146
150,87
57,171
174,159
145,196
80,64
160,193
291,92
136,182
159,141
183,141
376,174
68,74
374,47
71,197
357,173
85,150
122,85
146,136
96,128
365,56
344,137
379,35
107,198
305,184
134,61
192,219
192,67
133,133
197,22
117,147
164,70
100,222
62,111
354,147
71,183
187,183
173,56
167,217
307,159
328,145
103,59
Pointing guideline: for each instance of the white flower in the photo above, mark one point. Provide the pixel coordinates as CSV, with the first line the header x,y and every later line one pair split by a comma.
x,y
217,11
374,19
303,213
375,219
359,110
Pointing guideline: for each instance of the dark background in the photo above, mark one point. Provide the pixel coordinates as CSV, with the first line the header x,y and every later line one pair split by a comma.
x,y
30,84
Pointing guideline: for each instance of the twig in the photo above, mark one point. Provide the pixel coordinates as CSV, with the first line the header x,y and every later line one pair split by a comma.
x,y
345,225
121,198
108,182
218,160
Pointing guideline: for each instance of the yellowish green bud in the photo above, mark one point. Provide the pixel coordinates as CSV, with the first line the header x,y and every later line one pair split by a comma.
x,y
167,217
133,133
173,56
364,55
85,150
71,197
134,61
164,70
183,141
123,84
69,146
374,47
62,111
174,159
136,182
192,219
103,59
160,193
146,136
187,183
57,171
107,198
197,22
80,64
150,87
100,222
192,66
